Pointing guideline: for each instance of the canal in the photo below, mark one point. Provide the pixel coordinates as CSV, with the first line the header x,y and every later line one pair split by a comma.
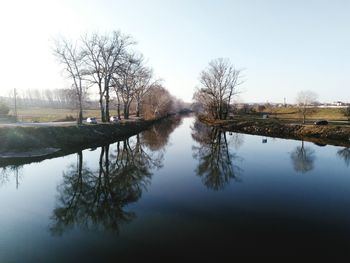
x,y
179,190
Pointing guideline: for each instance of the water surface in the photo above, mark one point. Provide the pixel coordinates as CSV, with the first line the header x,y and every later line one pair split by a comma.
x,y
179,190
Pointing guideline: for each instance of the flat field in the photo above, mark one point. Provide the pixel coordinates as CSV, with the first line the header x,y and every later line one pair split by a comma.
x,y
291,113
52,114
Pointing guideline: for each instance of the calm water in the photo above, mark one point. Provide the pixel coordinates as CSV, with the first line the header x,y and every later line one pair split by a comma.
x,y
176,191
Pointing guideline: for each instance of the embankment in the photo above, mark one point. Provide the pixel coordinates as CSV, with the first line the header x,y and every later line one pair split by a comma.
x,y
335,135
19,141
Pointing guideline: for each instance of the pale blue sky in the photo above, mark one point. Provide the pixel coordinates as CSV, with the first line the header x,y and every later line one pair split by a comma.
x,y
283,46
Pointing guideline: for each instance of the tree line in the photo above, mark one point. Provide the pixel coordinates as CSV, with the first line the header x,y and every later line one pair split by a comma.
x,y
47,98
109,65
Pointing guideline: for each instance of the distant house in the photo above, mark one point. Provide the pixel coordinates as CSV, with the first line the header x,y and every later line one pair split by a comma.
x,y
335,104
338,103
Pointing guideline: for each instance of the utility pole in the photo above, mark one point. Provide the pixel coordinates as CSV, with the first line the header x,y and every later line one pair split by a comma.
x,y
285,105
15,97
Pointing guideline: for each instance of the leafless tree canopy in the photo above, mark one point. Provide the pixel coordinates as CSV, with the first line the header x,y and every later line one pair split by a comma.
x,y
125,81
72,59
305,102
157,103
143,84
218,85
108,64
105,55
63,98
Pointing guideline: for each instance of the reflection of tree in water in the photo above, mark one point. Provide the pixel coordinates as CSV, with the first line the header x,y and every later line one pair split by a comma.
x,y
236,140
216,167
7,172
97,198
303,158
157,136
345,155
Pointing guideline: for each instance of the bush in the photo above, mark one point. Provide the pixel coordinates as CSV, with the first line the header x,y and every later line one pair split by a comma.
x,y
4,109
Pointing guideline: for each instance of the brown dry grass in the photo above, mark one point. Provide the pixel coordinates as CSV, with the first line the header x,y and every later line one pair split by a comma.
x,y
51,114
291,113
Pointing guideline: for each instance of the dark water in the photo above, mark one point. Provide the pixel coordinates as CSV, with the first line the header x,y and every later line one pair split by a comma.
x,y
178,191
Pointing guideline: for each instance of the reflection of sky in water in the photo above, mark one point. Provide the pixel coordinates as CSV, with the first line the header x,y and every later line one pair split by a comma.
x,y
177,206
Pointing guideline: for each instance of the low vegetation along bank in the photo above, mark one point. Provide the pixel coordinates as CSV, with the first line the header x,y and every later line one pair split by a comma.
x,y
36,141
335,135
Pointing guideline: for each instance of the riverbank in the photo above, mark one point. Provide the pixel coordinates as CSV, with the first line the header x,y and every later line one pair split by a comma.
x,y
36,141
334,135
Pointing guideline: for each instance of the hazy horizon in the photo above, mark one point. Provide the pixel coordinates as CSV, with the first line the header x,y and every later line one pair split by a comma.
x,y
283,46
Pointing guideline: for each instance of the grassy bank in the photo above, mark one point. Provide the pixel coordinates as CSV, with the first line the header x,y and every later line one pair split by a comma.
x,y
291,113
28,138
52,114
335,135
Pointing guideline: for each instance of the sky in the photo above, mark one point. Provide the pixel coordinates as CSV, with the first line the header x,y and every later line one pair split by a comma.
x,y
282,46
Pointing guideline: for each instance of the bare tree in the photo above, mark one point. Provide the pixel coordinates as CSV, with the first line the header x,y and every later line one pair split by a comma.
x,y
143,85
305,102
71,57
218,85
106,62
93,59
104,57
113,52
157,103
125,82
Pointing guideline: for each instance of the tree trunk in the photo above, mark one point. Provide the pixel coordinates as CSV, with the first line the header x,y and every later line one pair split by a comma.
x,y
138,108
118,106
118,110
103,117
128,108
80,116
126,113
107,105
